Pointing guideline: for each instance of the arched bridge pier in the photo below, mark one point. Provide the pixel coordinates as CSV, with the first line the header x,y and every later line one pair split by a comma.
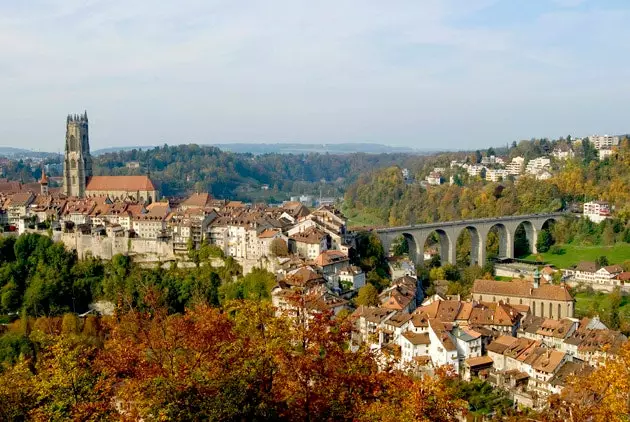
x,y
449,232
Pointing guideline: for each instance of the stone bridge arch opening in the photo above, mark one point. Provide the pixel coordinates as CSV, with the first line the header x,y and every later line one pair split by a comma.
x,y
469,246
415,253
499,243
545,235
525,237
438,242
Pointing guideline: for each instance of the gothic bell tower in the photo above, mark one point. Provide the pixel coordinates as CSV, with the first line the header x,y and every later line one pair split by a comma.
x,y
77,164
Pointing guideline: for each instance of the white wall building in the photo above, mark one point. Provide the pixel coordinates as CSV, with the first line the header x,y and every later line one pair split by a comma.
x,y
515,167
496,175
596,211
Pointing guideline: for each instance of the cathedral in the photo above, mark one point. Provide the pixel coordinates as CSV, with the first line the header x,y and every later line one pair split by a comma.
x,y
78,180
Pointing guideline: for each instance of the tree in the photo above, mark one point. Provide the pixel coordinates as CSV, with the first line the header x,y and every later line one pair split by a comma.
x,y
400,246
278,247
603,395
544,241
368,296
602,261
70,324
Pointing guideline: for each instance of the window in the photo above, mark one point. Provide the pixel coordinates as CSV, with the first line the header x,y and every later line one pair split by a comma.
x,y
542,309
73,163
534,308
550,310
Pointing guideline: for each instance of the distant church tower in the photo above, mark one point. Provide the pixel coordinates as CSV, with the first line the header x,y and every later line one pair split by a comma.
x,y
77,163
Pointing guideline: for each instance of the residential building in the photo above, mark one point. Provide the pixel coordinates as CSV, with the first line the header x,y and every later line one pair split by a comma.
x,y
599,278
596,211
537,165
434,178
604,141
515,167
496,175
310,243
604,153
563,152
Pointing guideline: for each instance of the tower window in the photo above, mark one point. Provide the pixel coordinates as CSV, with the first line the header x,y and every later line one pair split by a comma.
x,y
73,163
74,180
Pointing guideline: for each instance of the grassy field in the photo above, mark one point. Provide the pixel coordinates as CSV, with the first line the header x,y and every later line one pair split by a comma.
x,y
573,254
585,302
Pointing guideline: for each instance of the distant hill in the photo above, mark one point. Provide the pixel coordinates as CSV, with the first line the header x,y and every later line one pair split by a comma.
x,y
12,152
346,148
293,148
102,151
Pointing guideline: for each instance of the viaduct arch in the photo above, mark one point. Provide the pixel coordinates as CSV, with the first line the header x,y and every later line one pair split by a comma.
x,y
448,233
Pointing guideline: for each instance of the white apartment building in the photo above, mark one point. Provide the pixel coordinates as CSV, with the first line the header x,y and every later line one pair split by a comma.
x,y
434,178
497,175
515,167
604,141
537,165
596,211
563,153
475,170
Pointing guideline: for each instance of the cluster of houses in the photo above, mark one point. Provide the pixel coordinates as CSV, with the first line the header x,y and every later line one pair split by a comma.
x,y
520,336
243,231
495,169
600,278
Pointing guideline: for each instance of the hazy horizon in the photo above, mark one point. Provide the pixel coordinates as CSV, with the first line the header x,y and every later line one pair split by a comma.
x,y
461,74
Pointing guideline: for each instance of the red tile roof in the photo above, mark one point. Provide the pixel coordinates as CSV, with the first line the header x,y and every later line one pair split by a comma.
x,y
521,288
120,183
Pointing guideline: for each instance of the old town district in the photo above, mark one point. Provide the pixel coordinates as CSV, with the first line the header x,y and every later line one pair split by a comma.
x,y
519,335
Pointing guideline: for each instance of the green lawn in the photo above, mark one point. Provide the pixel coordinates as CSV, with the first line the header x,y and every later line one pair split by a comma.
x,y
573,254
584,303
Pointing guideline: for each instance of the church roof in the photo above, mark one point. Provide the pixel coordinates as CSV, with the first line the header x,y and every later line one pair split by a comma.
x,y
522,288
120,183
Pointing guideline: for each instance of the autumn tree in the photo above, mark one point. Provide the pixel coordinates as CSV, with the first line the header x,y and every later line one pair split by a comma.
x,y
602,396
278,247
368,296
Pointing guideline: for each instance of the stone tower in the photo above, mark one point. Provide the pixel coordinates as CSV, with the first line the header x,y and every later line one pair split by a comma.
x,y
77,164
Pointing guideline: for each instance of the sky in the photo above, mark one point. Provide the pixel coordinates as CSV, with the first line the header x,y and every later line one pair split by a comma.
x,y
446,74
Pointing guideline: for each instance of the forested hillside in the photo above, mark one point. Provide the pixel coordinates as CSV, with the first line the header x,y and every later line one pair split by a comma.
x,y
184,168
383,197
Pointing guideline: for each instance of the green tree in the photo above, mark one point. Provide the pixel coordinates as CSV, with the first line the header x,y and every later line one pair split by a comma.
x,y
368,296
602,261
400,246
544,241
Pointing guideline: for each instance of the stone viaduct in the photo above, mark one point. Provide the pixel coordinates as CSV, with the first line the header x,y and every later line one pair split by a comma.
x,y
448,233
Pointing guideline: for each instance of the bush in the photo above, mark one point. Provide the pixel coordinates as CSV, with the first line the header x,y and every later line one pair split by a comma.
x,y
557,250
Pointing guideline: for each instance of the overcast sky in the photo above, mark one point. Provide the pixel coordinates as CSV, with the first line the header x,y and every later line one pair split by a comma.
x,y
421,73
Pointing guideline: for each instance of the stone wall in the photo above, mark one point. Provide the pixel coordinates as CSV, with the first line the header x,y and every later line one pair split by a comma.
x,y
143,250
